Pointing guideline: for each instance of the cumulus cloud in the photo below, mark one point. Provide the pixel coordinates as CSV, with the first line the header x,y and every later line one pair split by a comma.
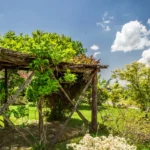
x,y
145,57
105,21
133,36
96,53
148,21
94,47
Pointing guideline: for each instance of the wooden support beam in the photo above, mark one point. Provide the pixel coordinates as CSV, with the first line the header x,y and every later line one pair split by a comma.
x,y
13,98
74,109
93,127
69,99
6,92
6,86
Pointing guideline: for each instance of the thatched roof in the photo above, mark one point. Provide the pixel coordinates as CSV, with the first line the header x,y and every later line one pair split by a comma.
x,y
14,59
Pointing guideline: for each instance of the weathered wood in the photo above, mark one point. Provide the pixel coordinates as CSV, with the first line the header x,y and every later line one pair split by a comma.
x,y
74,109
6,93
11,56
69,99
13,98
78,112
93,127
42,132
6,86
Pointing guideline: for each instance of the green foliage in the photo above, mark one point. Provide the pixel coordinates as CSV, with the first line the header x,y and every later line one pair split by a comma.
x,y
131,124
102,92
69,77
48,48
14,80
2,90
137,76
59,48
20,112
58,112
116,93
30,95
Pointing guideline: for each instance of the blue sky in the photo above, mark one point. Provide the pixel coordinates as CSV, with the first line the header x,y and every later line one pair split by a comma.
x,y
93,22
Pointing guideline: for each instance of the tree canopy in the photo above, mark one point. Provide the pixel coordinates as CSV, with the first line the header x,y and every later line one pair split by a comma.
x,y
46,47
59,47
137,77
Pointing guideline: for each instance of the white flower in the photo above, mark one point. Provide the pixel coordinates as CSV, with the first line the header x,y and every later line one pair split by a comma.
x,y
101,143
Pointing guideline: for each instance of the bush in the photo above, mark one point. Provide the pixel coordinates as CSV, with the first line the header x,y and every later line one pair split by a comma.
x,y
131,124
101,143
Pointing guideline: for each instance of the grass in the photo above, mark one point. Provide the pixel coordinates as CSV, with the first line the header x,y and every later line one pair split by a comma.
x,y
105,113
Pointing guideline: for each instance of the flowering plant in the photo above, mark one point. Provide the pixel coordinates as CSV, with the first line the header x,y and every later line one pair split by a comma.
x,y
101,143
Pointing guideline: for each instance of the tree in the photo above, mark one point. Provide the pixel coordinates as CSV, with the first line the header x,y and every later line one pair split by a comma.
x,y
137,76
116,93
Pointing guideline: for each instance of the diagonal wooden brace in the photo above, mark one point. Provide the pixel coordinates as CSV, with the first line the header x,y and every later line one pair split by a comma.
x,y
21,88
75,108
69,99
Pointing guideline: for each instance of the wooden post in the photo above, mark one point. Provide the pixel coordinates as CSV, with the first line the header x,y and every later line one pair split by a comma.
x,y
6,92
6,86
93,127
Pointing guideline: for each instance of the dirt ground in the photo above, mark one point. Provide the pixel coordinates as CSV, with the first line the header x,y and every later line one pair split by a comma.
x,y
11,139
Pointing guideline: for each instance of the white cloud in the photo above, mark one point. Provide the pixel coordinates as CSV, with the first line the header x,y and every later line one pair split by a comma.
x,y
148,21
111,17
94,47
145,57
107,28
121,82
105,14
100,24
96,53
107,21
133,36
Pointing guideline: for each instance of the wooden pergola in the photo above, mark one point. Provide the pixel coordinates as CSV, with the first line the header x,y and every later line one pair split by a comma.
x,y
10,59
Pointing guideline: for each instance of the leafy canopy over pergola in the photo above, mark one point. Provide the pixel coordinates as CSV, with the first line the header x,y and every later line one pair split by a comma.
x,y
47,48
